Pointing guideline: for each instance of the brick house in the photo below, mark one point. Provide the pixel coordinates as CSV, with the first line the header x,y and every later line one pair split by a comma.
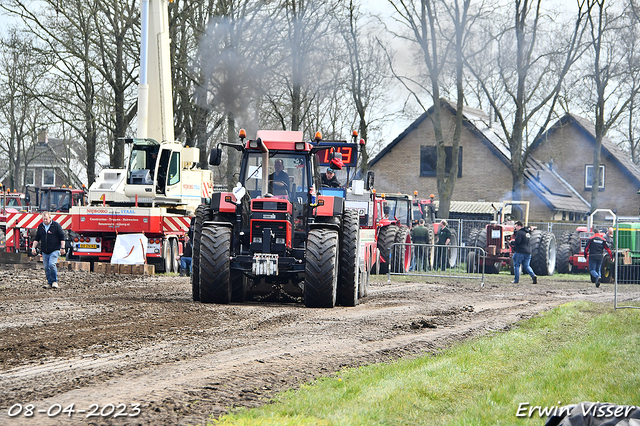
x,y
53,164
568,145
408,164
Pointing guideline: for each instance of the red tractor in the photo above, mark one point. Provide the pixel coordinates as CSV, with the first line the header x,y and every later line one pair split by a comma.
x,y
275,235
495,240
571,256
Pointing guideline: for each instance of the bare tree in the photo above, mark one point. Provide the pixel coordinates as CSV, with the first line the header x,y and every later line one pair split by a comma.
x,y
367,73
610,71
19,109
440,28
529,86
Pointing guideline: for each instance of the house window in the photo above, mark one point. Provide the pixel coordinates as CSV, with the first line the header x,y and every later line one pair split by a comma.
x,y
588,177
30,177
48,177
428,158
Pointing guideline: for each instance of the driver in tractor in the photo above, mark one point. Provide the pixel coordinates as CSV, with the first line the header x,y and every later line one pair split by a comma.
x,y
329,179
279,179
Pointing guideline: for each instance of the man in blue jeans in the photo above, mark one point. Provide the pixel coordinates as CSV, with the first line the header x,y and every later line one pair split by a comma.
x,y
186,260
51,238
594,251
522,253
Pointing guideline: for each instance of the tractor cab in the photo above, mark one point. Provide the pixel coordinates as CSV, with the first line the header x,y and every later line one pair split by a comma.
x,y
60,199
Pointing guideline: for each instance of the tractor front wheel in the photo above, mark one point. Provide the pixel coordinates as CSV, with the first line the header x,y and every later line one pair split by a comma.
x,y
215,270
321,269
349,259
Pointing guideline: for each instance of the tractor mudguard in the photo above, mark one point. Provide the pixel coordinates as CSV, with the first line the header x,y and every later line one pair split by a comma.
x,y
329,206
220,204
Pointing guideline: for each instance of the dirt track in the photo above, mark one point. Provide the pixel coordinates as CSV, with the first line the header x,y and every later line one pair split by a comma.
x,y
128,340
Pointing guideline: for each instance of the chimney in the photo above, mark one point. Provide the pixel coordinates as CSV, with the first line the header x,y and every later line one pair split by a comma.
x,y
43,136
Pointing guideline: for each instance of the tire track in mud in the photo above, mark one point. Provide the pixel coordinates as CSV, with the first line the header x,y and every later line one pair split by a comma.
x,y
146,342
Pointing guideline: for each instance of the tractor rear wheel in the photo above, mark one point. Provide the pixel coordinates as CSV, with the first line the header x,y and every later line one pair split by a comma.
x,y
607,269
215,270
563,264
349,259
386,238
543,252
401,258
203,214
321,269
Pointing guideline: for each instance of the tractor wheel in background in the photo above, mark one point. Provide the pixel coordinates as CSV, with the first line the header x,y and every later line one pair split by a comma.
x,y
349,260
386,238
321,269
607,272
215,269
453,252
543,252
175,263
401,259
166,256
363,286
431,253
472,262
563,262
574,241
480,240
203,214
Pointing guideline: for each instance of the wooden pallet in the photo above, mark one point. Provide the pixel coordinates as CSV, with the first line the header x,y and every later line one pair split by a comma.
x,y
110,268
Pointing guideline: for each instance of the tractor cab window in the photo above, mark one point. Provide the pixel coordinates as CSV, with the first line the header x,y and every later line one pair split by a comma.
x,y
400,210
288,176
55,201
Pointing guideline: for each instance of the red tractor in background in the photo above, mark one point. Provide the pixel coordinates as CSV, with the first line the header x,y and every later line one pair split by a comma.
x,y
495,239
571,258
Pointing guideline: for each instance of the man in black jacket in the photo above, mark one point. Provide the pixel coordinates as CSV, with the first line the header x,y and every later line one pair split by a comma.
x,y
329,179
594,251
51,238
522,253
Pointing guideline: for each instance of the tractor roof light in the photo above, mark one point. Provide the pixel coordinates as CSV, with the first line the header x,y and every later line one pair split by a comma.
x,y
318,136
254,144
354,133
415,193
242,134
300,146
362,142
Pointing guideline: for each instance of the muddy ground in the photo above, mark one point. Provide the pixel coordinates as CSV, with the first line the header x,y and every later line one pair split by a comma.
x,y
127,340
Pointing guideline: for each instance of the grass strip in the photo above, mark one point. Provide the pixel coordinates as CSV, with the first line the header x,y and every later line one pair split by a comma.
x,y
577,352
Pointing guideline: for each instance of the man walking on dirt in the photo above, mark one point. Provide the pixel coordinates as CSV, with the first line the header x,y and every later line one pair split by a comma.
x,y
51,238
522,253
594,251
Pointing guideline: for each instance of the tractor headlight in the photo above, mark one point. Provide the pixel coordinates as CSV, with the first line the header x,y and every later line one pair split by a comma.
x,y
257,239
279,240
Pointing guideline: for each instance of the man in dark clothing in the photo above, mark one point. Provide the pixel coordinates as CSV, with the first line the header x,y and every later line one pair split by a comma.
x,y
420,235
329,179
186,258
444,238
279,179
522,253
594,251
51,238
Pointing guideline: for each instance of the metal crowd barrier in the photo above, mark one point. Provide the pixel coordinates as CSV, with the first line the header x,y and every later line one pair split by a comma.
x,y
432,260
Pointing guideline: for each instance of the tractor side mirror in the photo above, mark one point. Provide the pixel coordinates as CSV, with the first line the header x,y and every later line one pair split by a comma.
x,y
370,179
215,156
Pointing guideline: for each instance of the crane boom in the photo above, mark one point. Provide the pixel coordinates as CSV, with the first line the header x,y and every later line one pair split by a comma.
x,y
155,102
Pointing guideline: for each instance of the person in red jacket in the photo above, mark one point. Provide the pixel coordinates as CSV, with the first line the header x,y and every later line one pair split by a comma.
x,y
594,251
